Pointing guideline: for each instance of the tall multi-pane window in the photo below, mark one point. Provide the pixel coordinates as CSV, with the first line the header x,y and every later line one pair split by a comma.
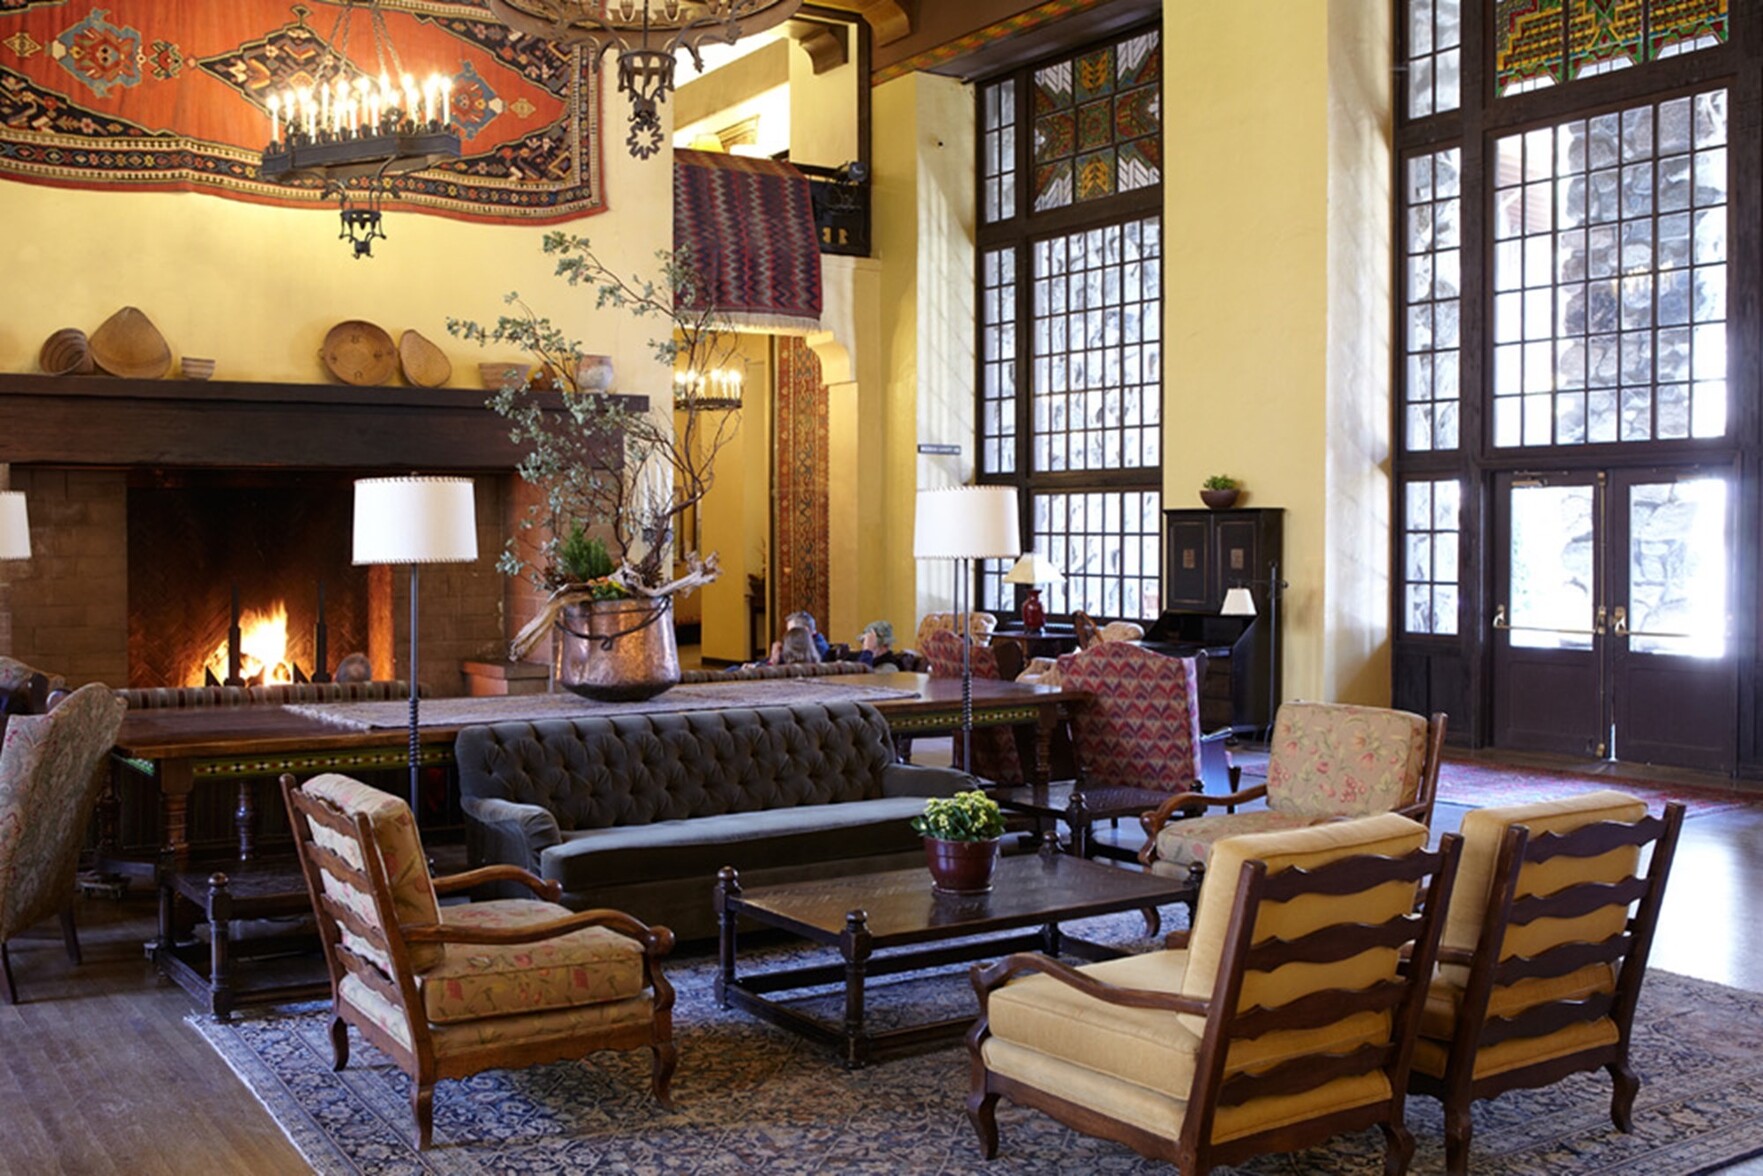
x,y
1562,234
1070,316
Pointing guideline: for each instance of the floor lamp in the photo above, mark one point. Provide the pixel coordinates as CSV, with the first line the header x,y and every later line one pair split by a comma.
x,y
414,521
965,523
1240,602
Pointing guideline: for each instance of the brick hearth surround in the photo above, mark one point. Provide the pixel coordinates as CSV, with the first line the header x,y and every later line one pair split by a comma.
x,y
65,609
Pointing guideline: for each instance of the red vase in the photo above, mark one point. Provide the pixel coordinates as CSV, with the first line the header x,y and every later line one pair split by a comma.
x,y
1034,613
961,867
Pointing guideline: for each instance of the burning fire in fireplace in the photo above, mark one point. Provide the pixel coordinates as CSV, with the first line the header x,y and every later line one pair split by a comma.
x,y
263,646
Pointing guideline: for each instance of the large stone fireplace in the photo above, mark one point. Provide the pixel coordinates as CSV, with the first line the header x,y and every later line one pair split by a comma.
x,y
152,503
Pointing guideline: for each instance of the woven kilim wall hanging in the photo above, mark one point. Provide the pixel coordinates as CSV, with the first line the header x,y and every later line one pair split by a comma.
x,y
802,482
172,95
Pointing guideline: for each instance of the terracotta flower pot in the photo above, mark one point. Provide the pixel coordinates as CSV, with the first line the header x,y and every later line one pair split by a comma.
x,y
961,867
1220,499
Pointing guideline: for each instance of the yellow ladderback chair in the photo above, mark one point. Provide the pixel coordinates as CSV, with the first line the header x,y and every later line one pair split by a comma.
x,y
1326,761
1541,962
1286,1018
448,991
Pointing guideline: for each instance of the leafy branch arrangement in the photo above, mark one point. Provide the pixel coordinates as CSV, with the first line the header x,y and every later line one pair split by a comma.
x,y
601,467
966,816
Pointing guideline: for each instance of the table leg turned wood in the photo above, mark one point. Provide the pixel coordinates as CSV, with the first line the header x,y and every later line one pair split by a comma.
x,y
220,934
728,887
855,945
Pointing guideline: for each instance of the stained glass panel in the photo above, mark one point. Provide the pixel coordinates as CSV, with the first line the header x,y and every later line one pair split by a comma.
x,y
1098,119
1547,42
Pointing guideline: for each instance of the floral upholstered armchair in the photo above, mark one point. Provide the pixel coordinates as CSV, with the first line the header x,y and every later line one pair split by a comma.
x,y
1326,761
49,781
446,992
980,624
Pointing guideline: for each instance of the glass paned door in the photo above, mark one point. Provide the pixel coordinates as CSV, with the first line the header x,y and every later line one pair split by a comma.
x,y
1612,615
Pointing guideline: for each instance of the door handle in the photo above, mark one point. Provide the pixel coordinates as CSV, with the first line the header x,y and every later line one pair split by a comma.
x,y
1500,621
1619,622
1598,621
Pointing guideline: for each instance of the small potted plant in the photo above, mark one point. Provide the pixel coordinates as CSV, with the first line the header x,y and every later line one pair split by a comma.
x,y
961,835
1220,491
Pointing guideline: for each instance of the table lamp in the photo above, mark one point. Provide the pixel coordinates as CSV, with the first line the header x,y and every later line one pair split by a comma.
x,y
15,526
1034,569
965,523
414,521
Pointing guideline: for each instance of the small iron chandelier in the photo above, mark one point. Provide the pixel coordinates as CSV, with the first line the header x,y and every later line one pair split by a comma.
x,y
646,40
352,132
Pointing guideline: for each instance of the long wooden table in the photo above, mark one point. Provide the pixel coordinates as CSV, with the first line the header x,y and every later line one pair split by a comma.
x,y
180,749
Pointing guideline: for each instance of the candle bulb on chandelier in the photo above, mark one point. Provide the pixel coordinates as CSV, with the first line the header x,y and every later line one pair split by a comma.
x,y
410,106
446,101
275,119
324,101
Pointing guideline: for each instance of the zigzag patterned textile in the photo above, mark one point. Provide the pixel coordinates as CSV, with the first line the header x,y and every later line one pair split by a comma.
x,y
1142,727
172,95
747,226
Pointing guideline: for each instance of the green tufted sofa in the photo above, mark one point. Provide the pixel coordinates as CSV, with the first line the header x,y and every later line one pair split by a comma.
x,y
638,812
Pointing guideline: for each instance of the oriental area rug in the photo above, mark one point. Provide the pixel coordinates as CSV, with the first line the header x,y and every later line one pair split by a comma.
x,y
754,1099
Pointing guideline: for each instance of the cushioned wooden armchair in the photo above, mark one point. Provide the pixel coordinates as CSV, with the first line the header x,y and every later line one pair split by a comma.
x,y
49,781
1288,1017
1326,761
448,991
1541,963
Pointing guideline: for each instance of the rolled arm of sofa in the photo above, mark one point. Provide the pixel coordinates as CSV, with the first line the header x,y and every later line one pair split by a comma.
x,y
509,833
920,780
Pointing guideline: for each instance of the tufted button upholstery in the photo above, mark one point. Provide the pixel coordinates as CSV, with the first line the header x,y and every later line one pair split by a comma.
x,y
639,769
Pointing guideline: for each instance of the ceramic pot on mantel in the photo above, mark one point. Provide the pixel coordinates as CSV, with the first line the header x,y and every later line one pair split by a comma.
x,y
617,650
961,867
1220,499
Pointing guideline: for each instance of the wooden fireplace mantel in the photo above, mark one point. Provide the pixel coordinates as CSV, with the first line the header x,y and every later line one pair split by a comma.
x,y
104,421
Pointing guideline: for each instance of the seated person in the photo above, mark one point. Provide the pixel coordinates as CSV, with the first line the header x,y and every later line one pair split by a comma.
x,y
806,621
795,649
877,640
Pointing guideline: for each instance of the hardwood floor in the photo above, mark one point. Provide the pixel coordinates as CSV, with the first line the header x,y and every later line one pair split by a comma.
x,y
100,1074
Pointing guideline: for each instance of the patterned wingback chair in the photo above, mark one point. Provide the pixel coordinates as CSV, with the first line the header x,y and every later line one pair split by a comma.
x,y
48,784
994,748
1327,760
449,991
1141,728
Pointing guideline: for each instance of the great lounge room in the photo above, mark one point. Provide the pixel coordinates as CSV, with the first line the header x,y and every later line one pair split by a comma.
x,y
1283,125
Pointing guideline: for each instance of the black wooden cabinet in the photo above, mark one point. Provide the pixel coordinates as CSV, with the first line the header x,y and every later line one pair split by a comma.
x,y
1206,553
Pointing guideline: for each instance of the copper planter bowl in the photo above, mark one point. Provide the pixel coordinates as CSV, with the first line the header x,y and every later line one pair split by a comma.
x,y
961,867
617,650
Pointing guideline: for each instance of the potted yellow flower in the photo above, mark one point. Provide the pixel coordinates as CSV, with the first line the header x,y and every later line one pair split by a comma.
x,y
961,834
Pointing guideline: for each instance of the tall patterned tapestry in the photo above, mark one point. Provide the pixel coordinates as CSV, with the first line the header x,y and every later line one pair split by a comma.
x,y
801,483
173,95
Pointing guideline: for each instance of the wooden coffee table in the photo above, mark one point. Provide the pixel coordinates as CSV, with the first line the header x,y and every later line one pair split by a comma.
x,y
866,914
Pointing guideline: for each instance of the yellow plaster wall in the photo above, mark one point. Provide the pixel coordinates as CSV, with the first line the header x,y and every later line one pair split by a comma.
x,y
256,288
923,228
1276,305
735,518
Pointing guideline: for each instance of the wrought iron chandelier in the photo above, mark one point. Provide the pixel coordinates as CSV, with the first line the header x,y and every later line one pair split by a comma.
x,y
352,131
646,37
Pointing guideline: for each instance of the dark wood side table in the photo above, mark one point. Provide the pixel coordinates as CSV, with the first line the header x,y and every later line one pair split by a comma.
x,y
237,968
866,917
1048,641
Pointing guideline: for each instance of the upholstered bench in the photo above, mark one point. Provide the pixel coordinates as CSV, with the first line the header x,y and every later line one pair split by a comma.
x,y
638,812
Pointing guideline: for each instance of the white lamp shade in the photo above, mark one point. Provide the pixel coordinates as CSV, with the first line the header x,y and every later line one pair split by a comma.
x,y
1034,568
1237,603
15,526
414,520
967,522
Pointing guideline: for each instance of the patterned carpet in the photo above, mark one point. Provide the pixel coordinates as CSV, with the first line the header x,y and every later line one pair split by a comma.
x,y
1475,785
753,1099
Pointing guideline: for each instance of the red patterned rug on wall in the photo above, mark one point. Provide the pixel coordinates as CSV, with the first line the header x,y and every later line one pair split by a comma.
x,y
174,95
801,479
